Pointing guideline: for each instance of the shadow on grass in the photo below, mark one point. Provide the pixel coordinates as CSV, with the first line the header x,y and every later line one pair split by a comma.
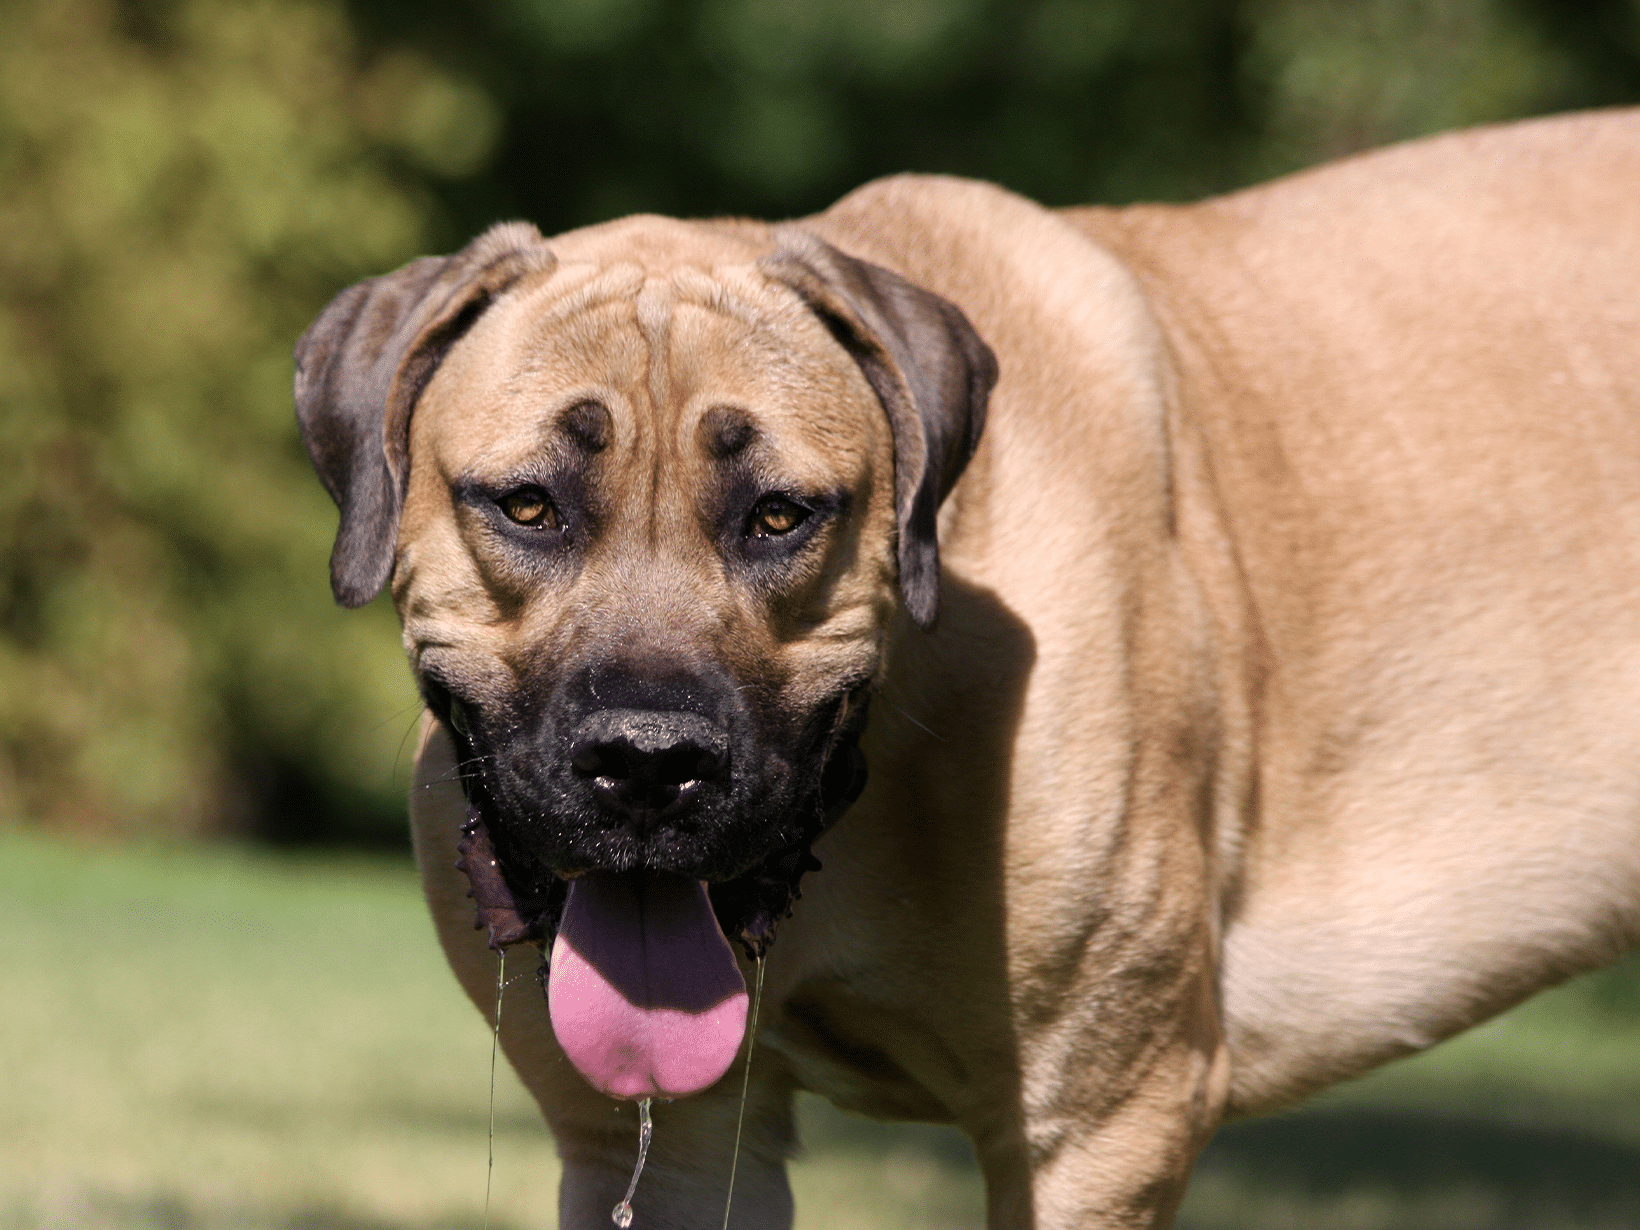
x,y
1356,1168
1509,1176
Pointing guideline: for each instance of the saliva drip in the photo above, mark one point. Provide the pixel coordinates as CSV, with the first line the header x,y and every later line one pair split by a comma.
x,y
745,1086
495,1045
621,1214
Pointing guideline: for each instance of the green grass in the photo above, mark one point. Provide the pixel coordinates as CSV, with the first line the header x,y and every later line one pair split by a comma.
x,y
212,1039
1528,1122
204,1039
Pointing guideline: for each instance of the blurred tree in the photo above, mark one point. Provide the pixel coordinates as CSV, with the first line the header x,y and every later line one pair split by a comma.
x,y
1598,42
1340,76
776,107
183,183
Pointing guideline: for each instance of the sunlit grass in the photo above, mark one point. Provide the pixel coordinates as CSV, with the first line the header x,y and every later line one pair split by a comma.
x,y
206,1039
222,1039
218,1038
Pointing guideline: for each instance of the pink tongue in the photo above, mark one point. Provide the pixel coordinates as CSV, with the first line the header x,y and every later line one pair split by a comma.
x,y
644,992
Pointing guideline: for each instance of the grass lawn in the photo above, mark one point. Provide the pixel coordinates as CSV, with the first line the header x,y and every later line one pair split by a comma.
x,y
212,1039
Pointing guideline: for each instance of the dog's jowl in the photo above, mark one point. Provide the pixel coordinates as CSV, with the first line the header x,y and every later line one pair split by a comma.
x,y
1233,605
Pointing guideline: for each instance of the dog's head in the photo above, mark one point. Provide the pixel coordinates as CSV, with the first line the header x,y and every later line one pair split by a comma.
x,y
649,497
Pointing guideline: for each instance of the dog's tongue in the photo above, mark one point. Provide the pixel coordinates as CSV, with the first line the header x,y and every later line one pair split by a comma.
x,y
644,992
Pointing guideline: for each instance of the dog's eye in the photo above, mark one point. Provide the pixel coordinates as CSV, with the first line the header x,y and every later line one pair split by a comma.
x,y
529,506
776,515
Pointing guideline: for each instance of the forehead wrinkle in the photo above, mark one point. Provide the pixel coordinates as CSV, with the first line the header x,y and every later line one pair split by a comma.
x,y
774,318
788,381
660,304
588,338
509,457
576,288
776,368
716,292
584,345
656,303
654,306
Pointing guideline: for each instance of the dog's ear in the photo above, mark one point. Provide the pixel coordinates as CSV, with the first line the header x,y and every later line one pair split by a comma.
x,y
927,366
359,370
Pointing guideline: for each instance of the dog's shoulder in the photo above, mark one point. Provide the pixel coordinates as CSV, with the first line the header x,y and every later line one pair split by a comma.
x,y
995,252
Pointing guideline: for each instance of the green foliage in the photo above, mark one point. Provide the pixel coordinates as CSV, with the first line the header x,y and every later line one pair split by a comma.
x,y
776,107
178,200
1343,76
183,183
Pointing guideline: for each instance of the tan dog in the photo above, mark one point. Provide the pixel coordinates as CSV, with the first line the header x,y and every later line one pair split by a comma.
x,y
1279,715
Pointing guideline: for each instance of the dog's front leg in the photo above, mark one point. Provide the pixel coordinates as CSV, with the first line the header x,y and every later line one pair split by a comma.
x,y
1114,1113
685,1182
1128,1171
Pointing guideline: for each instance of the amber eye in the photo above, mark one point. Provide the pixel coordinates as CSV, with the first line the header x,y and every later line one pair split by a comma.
x,y
529,506
776,515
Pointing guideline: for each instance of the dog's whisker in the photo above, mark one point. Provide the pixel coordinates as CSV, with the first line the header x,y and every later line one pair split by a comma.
x,y
912,720
458,771
416,705
399,753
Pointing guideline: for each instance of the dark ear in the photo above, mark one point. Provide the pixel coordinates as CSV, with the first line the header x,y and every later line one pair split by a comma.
x,y
360,368
928,367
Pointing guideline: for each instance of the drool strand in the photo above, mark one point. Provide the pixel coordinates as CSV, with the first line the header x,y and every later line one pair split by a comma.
x,y
621,1214
495,1045
745,1086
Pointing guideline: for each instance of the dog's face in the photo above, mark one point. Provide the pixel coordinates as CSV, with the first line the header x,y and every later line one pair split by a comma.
x,y
646,558
649,498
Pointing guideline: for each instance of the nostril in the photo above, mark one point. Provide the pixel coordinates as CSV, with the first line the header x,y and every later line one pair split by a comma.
x,y
648,758
681,764
615,761
587,759
620,761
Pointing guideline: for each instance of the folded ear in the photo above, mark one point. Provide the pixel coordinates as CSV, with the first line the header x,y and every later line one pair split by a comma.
x,y
927,366
359,370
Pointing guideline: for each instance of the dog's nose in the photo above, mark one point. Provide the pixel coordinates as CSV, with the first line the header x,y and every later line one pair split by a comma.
x,y
644,761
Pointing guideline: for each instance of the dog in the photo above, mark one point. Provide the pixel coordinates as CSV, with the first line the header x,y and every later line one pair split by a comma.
x,y
1107,670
